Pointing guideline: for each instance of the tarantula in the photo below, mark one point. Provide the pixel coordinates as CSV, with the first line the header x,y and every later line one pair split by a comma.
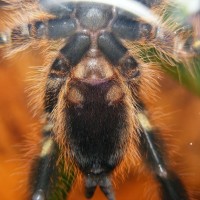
x,y
93,91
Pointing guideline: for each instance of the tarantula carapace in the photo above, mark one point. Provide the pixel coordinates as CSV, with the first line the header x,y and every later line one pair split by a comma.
x,y
93,89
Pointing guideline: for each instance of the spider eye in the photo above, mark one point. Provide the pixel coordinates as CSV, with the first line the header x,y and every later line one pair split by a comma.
x,y
129,68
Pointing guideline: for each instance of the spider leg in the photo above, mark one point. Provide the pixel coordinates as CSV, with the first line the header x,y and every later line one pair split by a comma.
x,y
171,187
133,30
172,42
114,50
50,29
45,164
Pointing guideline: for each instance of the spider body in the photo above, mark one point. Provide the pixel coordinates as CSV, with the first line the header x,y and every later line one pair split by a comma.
x,y
92,97
95,95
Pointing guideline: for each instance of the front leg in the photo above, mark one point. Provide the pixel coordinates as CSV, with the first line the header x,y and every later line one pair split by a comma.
x,y
58,74
45,165
171,187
